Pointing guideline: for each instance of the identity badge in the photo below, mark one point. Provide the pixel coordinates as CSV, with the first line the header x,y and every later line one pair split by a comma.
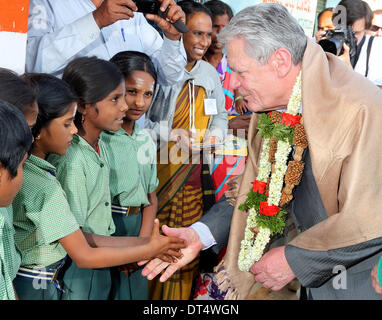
x,y
210,107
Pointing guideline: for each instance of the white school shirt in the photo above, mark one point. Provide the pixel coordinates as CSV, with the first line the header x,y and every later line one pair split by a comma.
x,y
375,62
61,30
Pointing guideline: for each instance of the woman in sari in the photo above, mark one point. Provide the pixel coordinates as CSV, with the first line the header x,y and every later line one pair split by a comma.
x,y
193,110
221,16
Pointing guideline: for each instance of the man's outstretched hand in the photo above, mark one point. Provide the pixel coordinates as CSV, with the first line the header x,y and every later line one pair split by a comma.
x,y
194,245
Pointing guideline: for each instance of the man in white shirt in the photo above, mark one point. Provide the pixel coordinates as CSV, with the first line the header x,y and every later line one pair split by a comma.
x,y
59,31
369,50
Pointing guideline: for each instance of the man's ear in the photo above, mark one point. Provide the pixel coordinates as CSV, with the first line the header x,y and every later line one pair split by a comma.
x,y
281,61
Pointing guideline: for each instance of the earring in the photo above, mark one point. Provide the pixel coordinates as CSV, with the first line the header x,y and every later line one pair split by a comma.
x,y
82,119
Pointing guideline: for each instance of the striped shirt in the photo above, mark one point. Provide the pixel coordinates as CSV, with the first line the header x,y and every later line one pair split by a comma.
x,y
42,215
132,161
84,176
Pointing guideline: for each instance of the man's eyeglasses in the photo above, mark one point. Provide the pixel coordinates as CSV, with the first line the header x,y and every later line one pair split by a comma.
x,y
375,28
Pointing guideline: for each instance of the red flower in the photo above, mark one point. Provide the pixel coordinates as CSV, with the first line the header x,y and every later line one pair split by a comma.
x,y
201,287
267,210
259,186
290,119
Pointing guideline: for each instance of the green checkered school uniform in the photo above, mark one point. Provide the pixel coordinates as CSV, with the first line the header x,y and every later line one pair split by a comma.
x,y
42,217
84,176
13,257
133,175
6,239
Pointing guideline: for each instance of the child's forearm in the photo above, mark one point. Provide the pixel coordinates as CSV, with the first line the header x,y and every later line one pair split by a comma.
x,y
110,257
85,256
96,241
148,215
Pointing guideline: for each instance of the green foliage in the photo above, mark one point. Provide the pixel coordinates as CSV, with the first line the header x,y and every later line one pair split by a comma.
x,y
253,201
265,125
283,133
274,223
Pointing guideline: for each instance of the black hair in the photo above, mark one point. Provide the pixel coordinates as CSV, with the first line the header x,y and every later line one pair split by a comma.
x,y
355,10
130,61
219,8
15,137
92,79
322,12
189,7
16,90
54,99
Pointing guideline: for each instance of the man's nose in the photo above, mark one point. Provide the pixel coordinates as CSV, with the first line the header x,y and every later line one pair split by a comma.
x,y
234,81
205,39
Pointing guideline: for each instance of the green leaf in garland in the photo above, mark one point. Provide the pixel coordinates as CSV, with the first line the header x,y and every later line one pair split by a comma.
x,y
265,125
283,133
274,223
253,201
243,207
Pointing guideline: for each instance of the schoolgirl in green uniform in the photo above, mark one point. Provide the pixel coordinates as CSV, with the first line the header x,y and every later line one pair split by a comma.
x,y
22,95
84,172
15,141
46,229
131,154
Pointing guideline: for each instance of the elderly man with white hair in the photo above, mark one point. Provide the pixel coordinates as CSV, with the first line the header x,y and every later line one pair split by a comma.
x,y
314,151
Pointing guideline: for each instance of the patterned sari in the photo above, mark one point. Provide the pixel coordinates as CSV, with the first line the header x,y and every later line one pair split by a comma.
x,y
180,194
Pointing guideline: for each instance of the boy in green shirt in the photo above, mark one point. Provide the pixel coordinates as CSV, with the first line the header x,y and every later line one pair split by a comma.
x,y
15,141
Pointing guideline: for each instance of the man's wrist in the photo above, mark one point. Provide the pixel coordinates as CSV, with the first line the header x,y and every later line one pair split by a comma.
x,y
206,238
172,37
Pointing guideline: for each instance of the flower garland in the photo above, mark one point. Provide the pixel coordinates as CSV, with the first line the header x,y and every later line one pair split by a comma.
x,y
276,178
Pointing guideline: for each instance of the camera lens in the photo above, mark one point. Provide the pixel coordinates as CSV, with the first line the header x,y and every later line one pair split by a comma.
x,y
331,45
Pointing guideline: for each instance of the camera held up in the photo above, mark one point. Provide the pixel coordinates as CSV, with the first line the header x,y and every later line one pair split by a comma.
x,y
153,7
333,41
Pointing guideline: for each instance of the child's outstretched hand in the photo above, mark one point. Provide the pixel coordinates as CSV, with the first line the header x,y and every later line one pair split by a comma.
x,y
165,248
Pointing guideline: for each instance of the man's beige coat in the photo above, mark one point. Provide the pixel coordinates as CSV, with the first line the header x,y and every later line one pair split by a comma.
x,y
342,114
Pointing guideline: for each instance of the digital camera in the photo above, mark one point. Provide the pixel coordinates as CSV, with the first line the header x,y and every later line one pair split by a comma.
x,y
148,6
152,7
333,41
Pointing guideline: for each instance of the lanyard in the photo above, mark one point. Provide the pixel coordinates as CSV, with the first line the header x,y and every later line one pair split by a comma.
x,y
191,97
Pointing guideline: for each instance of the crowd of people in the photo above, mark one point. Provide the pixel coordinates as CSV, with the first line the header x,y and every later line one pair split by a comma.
x,y
106,144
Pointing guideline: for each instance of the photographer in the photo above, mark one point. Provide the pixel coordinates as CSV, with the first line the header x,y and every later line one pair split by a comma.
x,y
59,31
369,49
324,23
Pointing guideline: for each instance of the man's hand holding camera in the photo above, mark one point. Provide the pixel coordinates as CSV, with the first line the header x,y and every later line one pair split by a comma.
x,y
345,57
111,11
175,13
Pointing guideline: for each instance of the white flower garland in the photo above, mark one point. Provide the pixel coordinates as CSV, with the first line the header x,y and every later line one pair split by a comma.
x,y
264,166
252,250
277,180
